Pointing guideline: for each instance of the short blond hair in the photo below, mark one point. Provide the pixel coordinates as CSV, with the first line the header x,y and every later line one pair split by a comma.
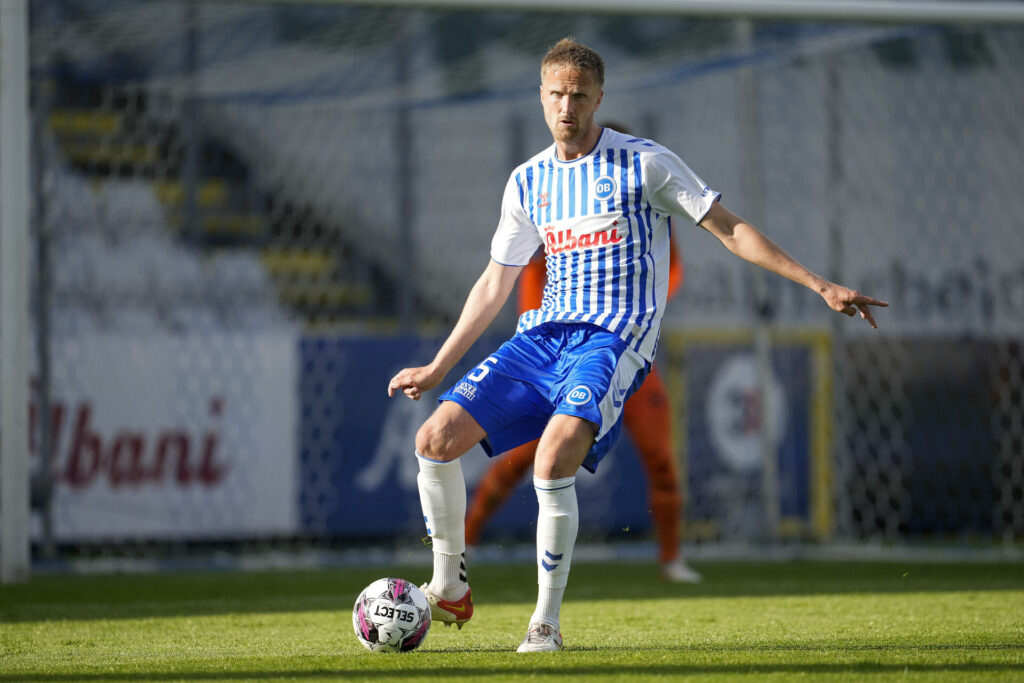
x,y
568,53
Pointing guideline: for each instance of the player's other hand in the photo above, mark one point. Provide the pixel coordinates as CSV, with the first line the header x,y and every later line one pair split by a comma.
x,y
414,381
850,302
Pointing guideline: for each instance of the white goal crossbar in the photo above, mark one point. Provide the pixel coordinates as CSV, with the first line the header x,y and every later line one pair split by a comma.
x,y
888,11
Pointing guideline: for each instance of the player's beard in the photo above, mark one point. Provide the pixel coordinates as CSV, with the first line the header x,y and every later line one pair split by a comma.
x,y
569,134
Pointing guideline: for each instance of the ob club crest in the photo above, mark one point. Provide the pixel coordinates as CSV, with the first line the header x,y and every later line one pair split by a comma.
x,y
579,396
604,187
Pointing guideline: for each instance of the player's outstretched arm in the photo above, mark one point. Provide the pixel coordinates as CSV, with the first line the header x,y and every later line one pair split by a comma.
x,y
747,242
482,305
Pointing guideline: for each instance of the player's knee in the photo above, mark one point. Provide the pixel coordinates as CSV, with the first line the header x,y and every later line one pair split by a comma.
x,y
547,469
662,472
563,447
434,441
551,465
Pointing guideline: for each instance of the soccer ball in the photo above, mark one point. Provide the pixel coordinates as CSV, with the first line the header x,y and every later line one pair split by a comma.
x,y
391,615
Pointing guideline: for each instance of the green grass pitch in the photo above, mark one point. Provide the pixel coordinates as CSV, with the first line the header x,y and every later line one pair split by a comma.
x,y
748,621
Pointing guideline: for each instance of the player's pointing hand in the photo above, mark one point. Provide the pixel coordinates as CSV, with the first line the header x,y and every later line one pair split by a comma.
x,y
850,301
413,382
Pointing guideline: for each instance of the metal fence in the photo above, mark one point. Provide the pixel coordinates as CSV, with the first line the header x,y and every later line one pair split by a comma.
x,y
248,214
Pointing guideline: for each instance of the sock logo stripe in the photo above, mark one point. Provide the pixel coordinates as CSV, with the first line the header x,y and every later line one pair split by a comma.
x,y
554,560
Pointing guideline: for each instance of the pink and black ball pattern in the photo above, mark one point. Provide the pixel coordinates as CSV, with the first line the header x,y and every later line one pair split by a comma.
x,y
391,615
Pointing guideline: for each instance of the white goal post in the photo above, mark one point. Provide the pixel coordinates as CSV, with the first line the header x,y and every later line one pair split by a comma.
x,y
14,291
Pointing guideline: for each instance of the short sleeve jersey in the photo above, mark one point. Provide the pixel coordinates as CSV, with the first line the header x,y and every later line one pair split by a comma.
x,y
603,220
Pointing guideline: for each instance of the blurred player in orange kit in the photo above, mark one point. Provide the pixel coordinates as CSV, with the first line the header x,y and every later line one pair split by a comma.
x,y
647,417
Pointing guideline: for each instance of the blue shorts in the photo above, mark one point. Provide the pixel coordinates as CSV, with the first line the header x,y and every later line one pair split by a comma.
x,y
556,368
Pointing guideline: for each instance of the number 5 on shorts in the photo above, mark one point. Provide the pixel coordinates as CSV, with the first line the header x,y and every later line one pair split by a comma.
x,y
481,370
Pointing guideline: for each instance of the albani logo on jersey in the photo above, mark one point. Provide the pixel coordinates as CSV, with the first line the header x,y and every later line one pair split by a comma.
x,y
557,241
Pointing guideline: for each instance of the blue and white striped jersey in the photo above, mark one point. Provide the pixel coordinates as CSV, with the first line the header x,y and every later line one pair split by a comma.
x,y
603,220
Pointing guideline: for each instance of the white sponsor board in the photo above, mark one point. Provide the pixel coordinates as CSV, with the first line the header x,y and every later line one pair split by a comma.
x,y
159,437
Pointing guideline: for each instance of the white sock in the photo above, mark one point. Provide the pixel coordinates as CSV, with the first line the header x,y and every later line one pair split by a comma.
x,y
449,580
557,523
443,499
549,605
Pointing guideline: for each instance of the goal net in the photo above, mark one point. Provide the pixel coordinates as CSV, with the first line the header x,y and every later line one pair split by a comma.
x,y
253,213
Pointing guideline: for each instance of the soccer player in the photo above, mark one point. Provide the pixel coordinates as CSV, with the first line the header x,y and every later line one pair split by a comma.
x,y
599,202
648,419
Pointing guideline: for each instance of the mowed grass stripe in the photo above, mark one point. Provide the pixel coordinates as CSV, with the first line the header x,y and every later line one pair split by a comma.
x,y
746,622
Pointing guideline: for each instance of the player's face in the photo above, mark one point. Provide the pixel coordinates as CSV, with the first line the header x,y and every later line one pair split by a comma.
x,y
570,98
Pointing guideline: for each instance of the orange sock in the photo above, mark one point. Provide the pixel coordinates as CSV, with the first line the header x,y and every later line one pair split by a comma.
x,y
665,510
647,417
497,485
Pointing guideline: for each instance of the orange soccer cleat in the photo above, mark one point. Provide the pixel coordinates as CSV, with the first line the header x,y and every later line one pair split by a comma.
x,y
450,612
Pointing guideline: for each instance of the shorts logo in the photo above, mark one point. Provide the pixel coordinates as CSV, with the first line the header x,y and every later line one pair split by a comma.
x,y
579,396
604,187
618,396
466,389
